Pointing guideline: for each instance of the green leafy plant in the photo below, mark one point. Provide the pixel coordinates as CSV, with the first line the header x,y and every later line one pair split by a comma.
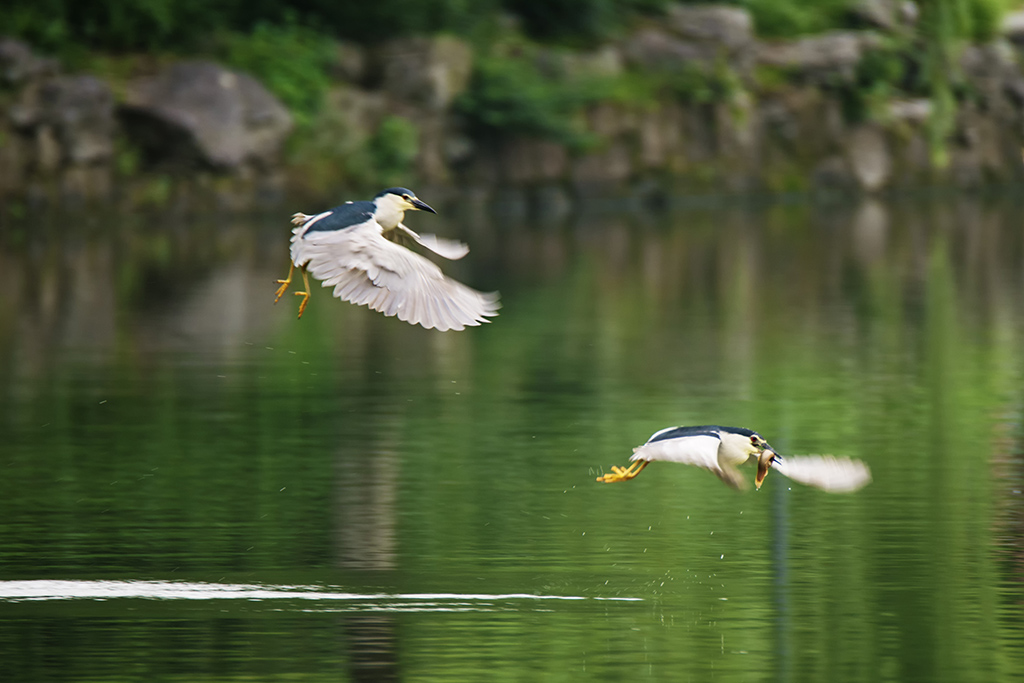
x,y
290,59
787,18
392,149
510,94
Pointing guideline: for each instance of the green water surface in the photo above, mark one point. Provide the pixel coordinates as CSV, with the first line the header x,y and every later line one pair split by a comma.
x,y
161,421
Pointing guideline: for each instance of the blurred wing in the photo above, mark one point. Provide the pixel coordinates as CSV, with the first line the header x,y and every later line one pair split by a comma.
x,y
366,269
449,249
825,472
698,450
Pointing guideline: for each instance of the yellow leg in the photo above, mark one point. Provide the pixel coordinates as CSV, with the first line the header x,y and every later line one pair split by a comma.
x,y
284,283
304,295
623,473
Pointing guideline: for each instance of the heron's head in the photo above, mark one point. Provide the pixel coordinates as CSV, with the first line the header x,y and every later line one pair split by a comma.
x,y
764,463
401,199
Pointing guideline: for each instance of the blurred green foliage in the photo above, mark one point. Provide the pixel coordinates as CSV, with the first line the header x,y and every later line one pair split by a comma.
x,y
529,90
509,93
392,149
579,19
170,24
945,25
784,18
883,73
290,59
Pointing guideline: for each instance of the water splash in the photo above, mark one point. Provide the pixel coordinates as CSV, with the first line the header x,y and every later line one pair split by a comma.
x,y
327,597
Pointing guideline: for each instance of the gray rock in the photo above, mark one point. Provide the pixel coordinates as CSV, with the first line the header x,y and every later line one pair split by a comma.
x,y
529,160
1013,26
612,164
993,72
653,48
426,71
909,12
80,110
882,14
729,27
888,15
349,63
18,64
819,57
47,150
833,173
201,111
867,151
605,61
912,111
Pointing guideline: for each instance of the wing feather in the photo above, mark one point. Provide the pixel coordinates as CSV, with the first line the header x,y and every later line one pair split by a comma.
x,y
826,472
449,249
364,268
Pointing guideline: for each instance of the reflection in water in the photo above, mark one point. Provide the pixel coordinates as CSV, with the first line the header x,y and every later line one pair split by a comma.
x,y
367,480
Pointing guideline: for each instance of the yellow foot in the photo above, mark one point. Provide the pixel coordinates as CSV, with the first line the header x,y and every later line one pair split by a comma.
x,y
282,289
305,300
285,282
623,473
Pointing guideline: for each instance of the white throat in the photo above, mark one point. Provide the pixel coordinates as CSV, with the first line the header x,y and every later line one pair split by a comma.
x,y
389,210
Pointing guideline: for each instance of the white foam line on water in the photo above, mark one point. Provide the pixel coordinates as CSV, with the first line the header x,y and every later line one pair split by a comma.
x,y
17,591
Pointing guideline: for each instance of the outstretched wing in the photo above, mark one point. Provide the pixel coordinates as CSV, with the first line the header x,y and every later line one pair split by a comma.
x,y
825,472
366,269
449,249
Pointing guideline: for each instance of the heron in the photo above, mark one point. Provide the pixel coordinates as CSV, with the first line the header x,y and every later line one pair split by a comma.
x,y
721,450
353,248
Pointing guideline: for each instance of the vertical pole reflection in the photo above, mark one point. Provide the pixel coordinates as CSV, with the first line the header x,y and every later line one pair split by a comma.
x,y
780,553
365,540
366,493
373,647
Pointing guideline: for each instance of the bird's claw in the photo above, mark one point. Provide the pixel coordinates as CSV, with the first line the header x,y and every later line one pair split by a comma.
x,y
623,473
305,300
282,289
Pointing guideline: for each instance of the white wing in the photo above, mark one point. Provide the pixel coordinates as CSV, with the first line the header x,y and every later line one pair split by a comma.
x,y
826,472
366,269
449,249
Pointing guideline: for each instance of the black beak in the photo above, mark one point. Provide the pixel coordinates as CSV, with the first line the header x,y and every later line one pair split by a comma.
x,y
421,205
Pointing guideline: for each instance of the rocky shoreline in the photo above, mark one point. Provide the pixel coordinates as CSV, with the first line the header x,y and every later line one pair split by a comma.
x,y
199,129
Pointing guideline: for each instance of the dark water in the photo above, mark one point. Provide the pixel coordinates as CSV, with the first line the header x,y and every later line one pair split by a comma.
x,y
194,486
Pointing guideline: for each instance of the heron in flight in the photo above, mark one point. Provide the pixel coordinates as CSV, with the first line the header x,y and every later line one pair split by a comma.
x,y
722,450
350,248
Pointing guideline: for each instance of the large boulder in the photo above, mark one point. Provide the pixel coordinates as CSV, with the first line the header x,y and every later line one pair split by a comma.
x,y
1013,26
18,64
695,35
70,117
198,111
56,131
80,111
732,28
429,72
